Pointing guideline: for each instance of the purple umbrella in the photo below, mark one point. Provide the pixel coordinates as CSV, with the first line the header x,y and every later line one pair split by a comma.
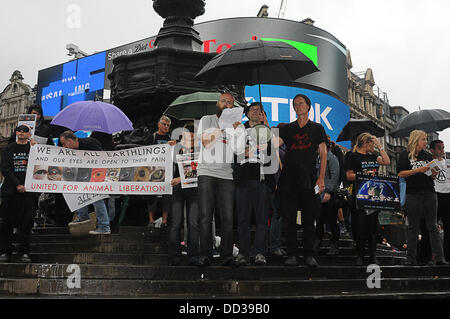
x,y
93,116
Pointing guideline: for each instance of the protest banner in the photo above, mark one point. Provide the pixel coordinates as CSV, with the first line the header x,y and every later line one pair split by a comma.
x,y
377,192
137,171
187,166
77,201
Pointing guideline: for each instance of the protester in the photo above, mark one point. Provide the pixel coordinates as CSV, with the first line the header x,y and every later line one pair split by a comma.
x,y
17,204
421,199
328,212
215,180
252,189
42,130
298,179
442,187
274,205
161,136
184,198
364,160
69,140
107,142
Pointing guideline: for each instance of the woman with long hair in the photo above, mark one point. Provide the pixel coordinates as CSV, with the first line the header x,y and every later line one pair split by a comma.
x,y
364,160
421,199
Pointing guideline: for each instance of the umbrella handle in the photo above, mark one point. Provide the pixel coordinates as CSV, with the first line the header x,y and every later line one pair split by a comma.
x,y
259,86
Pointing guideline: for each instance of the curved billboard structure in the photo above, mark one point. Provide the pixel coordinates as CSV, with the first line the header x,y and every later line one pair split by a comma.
x,y
87,77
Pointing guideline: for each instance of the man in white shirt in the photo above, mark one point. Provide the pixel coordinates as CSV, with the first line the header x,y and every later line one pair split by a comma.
x,y
215,180
442,187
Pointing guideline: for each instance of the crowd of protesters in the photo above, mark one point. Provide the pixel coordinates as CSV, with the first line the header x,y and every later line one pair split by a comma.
x,y
311,175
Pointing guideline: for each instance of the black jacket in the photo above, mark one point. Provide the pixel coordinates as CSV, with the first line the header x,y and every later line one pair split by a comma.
x,y
11,181
89,144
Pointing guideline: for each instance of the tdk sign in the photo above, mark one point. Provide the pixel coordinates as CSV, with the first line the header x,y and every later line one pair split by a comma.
x,y
277,101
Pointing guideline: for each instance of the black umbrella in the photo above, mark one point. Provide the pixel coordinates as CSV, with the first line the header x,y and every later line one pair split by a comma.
x,y
257,62
354,127
427,120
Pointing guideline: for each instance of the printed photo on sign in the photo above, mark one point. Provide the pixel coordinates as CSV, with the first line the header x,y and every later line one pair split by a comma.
x,y
377,192
187,166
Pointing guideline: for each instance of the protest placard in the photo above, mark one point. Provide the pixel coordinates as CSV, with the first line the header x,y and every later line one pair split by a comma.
x,y
28,120
77,201
187,166
137,171
377,192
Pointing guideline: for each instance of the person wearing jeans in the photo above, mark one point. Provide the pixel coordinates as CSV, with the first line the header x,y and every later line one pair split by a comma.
x,y
102,216
421,199
215,180
181,198
69,140
210,191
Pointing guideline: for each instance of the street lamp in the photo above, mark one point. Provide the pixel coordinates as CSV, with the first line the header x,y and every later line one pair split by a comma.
x,y
75,51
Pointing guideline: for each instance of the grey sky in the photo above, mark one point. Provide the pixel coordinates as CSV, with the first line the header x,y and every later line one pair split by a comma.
x,y
404,42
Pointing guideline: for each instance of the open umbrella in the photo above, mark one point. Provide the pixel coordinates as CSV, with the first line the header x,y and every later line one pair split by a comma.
x,y
257,62
93,116
194,106
354,127
427,120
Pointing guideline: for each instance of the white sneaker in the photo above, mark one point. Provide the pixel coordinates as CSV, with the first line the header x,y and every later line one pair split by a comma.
x,y
99,232
79,222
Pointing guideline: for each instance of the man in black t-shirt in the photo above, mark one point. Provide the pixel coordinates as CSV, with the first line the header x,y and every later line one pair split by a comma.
x,y
17,204
299,185
161,136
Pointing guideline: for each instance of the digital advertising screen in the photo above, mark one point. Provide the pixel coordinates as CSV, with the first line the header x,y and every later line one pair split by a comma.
x,y
78,80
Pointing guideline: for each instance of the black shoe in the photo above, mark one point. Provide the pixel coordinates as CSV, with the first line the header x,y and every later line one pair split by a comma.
x,y
437,263
228,262
291,261
4,258
311,262
25,258
203,262
359,261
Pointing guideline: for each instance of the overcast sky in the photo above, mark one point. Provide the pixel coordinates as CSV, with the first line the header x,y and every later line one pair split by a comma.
x,y
404,42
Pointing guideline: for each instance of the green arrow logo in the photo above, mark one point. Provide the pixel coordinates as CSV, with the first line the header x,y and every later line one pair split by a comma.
x,y
307,49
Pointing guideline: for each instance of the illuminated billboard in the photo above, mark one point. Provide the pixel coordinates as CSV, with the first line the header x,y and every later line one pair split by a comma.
x,y
74,81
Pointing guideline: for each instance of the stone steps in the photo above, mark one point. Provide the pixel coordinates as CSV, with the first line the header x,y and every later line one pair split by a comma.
x,y
158,272
220,288
132,263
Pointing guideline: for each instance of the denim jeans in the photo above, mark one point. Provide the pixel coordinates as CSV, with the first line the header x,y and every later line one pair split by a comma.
x,y
100,211
252,198
212,191
418,206
180,198
275,225
111,207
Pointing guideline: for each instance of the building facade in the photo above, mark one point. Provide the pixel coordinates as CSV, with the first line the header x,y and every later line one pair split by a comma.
x,y
15,99
366,100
